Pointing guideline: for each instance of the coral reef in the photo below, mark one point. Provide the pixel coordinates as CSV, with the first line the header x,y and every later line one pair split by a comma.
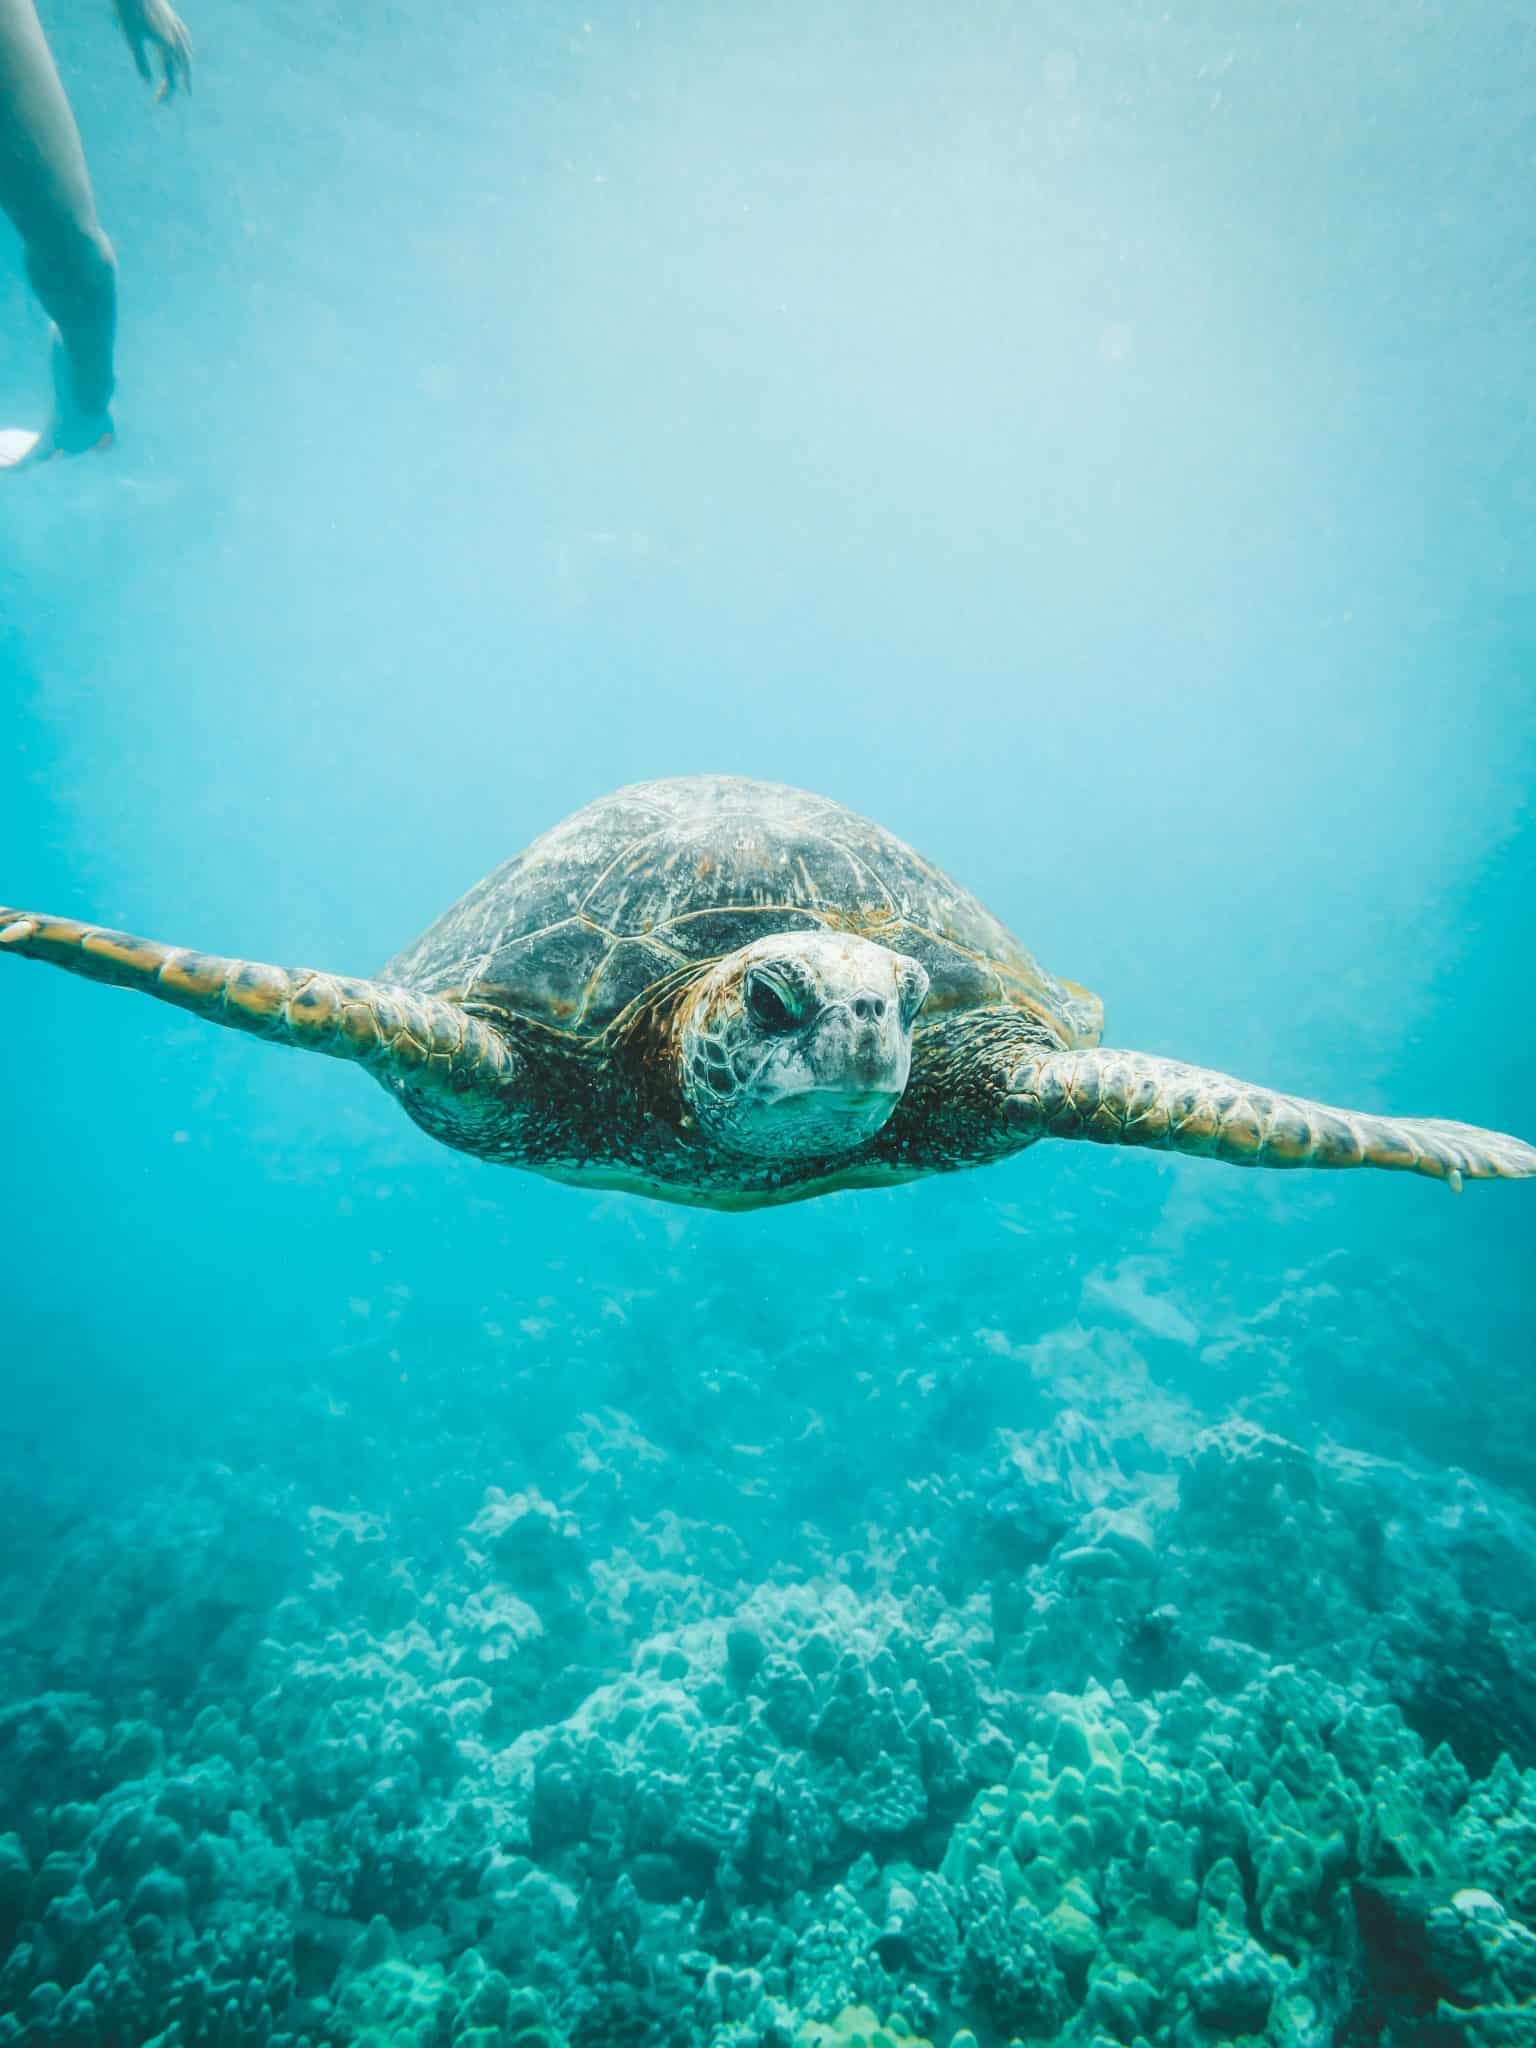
x,y
1004,1698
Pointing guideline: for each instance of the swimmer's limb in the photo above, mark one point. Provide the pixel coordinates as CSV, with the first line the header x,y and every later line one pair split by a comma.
x,y
152,24
989,1082
70,431
46,191
408,1040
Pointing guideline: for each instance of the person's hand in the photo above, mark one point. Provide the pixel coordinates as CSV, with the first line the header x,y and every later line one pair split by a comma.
x,y
154,21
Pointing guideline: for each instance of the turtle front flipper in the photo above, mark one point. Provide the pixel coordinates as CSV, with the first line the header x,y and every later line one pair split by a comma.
x,y
409,1041
1133,1098
989,1082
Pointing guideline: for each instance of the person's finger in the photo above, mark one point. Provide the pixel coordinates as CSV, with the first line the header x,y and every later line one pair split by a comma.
x,y
170,58
175,47
140,58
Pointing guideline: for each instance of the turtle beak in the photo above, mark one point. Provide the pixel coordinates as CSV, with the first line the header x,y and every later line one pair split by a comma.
x,y
859,1047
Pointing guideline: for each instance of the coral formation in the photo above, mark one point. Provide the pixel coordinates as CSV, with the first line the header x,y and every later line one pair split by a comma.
x,y
1111,1725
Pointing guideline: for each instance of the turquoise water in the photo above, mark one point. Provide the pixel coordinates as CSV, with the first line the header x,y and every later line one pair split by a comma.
x,y
1097,443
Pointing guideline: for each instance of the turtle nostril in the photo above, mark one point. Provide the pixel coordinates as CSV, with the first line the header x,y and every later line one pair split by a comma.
x,y
865,1007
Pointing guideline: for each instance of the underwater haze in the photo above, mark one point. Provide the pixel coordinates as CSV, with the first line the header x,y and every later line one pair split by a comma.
x,y
1088,1600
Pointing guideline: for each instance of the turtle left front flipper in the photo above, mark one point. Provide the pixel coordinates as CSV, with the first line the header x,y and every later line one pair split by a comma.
x,y
1008,1090
412,1042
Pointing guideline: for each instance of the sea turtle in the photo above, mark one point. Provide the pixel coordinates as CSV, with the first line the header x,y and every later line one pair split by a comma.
x,y
731,993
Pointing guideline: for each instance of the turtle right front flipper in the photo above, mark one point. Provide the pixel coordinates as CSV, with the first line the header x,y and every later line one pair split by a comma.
x,y
406,1039
1133,1098
987,1083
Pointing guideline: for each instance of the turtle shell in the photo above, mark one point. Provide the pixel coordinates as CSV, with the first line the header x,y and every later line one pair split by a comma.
x,y
667,875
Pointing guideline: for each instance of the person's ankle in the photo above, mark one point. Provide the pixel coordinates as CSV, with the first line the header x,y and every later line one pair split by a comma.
x,y
77,426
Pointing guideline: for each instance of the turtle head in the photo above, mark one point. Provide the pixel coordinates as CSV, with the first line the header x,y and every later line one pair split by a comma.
x,y
799,1046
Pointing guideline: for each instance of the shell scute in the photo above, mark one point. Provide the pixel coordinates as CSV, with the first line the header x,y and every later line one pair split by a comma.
x,y
956,981
547,973
730,859
706,934
632,966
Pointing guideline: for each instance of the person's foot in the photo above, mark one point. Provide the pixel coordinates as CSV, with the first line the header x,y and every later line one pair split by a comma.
x,y
69,432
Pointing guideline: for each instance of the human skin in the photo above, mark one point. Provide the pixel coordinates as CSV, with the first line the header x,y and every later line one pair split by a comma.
x,y
45,188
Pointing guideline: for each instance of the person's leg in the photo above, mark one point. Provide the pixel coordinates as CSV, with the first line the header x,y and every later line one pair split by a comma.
x,y
46,190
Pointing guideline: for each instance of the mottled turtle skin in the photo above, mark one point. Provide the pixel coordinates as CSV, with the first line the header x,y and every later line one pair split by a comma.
x,y
731,993
657,879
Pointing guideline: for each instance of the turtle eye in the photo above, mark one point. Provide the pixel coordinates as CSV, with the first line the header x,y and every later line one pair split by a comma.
x,y
773,1002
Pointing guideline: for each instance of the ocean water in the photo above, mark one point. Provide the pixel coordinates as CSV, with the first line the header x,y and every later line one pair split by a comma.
x,y
1088,1600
